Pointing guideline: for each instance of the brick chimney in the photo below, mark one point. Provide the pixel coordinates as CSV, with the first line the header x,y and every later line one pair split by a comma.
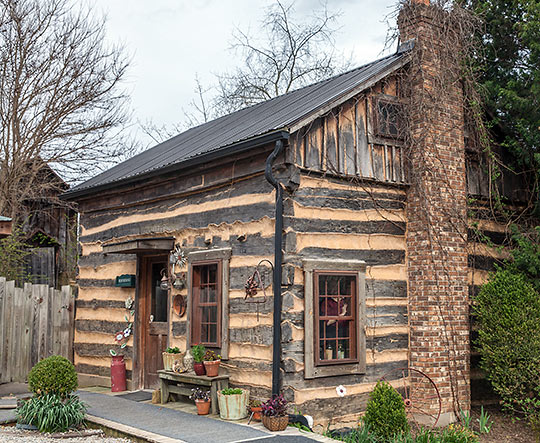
x,y
437,210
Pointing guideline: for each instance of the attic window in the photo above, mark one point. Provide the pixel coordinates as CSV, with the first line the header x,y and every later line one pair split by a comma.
x,y
388,118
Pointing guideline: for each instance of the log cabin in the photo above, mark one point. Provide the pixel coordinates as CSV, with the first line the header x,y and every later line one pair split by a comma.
x,y
316,186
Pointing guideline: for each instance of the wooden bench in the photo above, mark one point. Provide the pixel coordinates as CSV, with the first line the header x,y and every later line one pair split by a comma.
x,y
181,384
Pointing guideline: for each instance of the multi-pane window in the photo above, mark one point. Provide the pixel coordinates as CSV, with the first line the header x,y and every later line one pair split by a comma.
x,y
335,337
206,302
336,317
388,118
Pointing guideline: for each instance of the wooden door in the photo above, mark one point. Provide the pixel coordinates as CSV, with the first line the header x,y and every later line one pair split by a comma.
x,y
155,319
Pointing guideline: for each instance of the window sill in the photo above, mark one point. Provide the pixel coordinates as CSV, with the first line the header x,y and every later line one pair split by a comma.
x,y
333,370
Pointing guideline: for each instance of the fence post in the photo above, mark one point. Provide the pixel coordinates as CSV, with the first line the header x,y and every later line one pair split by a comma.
x,y
2,326
26,350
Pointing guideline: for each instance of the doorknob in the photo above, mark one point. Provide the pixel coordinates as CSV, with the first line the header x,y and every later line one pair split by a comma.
x,y
151,318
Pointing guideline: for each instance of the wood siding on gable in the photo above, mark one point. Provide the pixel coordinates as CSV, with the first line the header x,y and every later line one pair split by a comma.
x,y
343,141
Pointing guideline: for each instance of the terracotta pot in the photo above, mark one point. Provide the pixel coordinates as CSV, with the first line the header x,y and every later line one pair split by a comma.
x,y
212,368
257,410
198,368
202,407
275,423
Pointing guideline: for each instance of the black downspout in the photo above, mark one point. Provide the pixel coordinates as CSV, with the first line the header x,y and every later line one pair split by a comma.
x,y
278,258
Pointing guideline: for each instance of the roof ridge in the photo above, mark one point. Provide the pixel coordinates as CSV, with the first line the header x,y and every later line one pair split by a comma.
x,y
398,51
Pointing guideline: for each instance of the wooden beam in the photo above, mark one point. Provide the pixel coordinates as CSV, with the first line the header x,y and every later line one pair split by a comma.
x,y
140,246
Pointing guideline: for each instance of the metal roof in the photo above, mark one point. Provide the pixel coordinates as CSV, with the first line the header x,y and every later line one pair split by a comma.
x,y
218,136
4,219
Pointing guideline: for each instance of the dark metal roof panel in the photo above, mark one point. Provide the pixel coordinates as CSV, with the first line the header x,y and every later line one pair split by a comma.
x,y
275,114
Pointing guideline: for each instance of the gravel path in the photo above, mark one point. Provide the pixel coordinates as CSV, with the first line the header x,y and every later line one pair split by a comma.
x,y
9,434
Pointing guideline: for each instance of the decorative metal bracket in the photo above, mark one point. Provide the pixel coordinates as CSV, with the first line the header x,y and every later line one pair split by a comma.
x,y
255,283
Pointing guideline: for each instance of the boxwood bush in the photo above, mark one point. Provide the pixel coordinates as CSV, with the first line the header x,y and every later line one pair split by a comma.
x,y
53,375
508,311
385,413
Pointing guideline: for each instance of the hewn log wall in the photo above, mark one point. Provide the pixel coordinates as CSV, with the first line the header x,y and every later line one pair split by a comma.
x,y
334,219
205,212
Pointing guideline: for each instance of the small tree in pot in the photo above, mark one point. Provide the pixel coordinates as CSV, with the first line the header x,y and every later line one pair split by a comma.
x,y
201,399
274,410
198,352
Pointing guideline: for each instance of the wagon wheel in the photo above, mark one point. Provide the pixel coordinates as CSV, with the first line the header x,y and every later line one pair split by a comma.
x,y
420,394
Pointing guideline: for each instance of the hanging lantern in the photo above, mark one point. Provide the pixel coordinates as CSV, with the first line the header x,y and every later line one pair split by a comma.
x,y
180,281
164,285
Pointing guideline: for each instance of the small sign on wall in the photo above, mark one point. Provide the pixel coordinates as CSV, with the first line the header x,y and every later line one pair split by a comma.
x,y
125,281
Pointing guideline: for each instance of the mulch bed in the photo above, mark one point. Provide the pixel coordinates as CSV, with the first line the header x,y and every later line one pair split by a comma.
x,y
505,429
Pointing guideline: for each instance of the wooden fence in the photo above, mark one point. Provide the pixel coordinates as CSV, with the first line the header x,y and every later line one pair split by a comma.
x,y
36,321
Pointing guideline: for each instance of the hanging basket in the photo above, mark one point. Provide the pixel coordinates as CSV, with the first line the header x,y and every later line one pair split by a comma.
x,y
275,424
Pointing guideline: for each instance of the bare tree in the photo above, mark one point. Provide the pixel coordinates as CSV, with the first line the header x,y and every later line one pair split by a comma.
x,y
286,54
61,106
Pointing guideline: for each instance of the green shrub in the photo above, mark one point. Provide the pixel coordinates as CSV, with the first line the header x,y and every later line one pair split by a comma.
x,y
385,412
508,312
53,375
52,413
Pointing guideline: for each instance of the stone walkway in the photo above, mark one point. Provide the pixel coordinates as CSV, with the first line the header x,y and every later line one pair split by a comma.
x,y
175,422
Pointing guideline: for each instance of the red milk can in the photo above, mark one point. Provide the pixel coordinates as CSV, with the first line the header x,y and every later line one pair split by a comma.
x,y
118,374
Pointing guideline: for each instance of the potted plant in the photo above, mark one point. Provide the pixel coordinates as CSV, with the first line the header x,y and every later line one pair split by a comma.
x,y
211,362
198,351
274,413
170,357
202,400
233,403
255,407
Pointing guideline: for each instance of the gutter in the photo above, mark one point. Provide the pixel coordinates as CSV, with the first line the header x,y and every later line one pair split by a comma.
x,y
278,260
225,151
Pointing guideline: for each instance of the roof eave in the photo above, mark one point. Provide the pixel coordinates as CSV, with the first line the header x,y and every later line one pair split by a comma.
x,y
223,151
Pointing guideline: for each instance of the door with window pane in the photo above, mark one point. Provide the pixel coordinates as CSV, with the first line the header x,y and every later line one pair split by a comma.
x,y
155,317
206,297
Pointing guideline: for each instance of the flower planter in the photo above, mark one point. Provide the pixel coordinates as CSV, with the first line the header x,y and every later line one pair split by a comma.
x,y
198,368
256,412
203,407
212,368
275,423
169,360
233,407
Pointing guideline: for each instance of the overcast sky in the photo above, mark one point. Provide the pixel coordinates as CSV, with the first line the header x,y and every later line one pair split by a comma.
x,y
172,41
